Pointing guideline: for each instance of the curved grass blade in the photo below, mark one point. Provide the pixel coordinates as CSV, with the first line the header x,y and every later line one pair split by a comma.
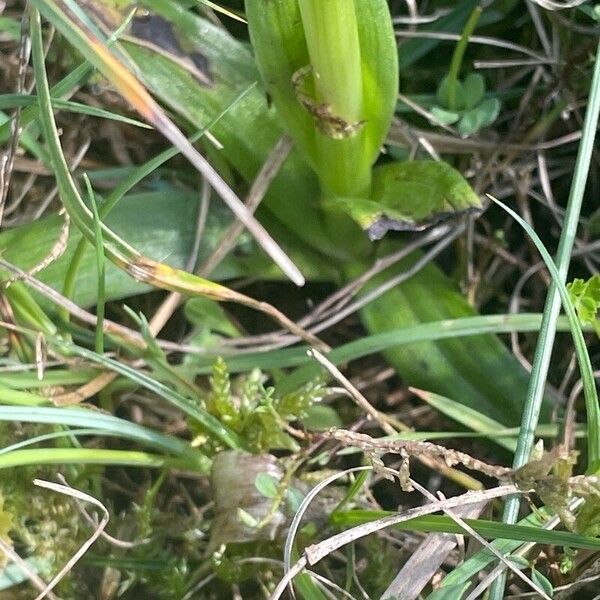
x,y
101,270
63,433
96,52
432,331
583,357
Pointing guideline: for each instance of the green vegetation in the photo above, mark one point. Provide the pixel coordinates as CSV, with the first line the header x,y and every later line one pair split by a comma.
x,y
407,191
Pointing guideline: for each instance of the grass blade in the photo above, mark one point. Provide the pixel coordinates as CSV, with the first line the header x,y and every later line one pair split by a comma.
x,y
467,416
87,456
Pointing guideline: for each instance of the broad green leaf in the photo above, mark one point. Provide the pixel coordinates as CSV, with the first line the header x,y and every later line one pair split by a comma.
x,y
542,582
411,196
479,371
338,112
320,417
159,229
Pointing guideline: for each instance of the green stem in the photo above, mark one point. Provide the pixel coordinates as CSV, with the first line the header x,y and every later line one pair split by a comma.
x,y
332,39
457,57
331,33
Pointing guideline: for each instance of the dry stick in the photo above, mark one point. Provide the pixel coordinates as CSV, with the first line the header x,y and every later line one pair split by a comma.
x,y
401,134
362,402
474,39
373,446
87,390
316,552
257,192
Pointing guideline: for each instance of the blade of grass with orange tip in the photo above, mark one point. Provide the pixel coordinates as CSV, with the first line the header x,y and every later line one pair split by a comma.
x,y
63,16
117,250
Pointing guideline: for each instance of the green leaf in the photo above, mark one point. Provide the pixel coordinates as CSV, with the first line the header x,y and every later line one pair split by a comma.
x,y
443,93
209,315
338,112
585,296
469,417
410,196
246,518
474,89
452,592
444,116
542,582
320,417
267,485
479,117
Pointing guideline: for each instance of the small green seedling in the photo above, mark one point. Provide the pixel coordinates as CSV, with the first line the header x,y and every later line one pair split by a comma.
x,y
464,101
469,107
